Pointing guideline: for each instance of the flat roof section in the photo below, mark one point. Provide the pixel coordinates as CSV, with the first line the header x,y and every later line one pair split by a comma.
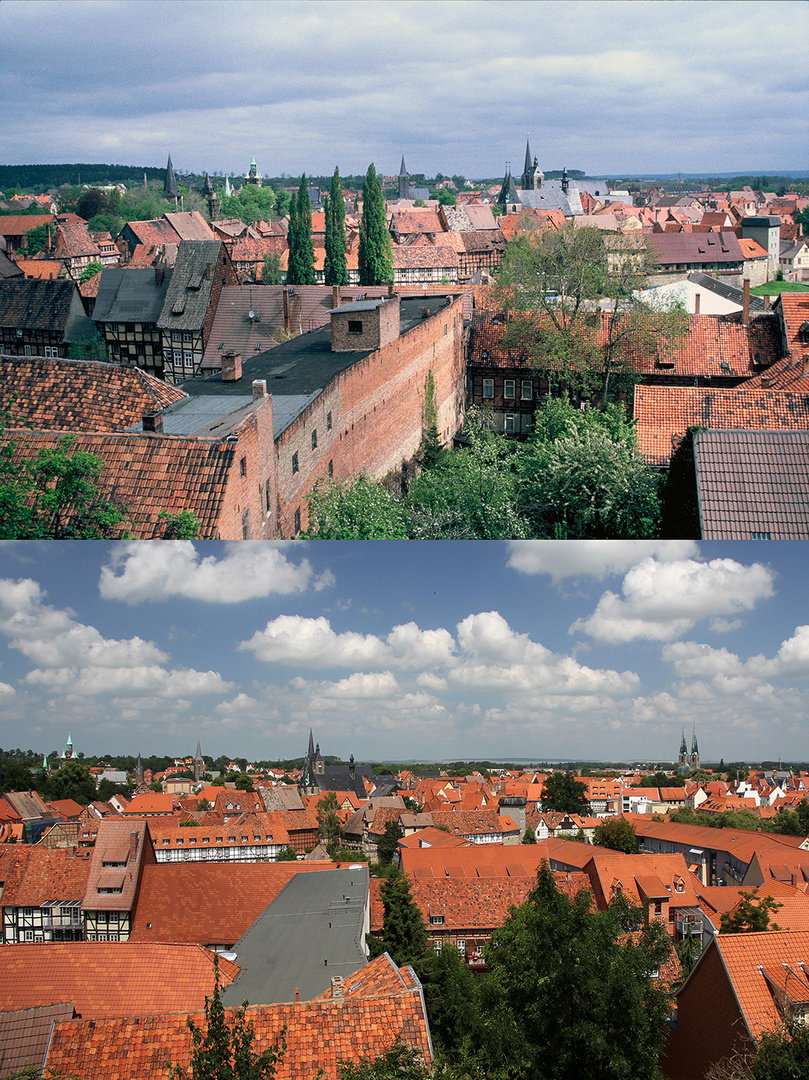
x,y
312,930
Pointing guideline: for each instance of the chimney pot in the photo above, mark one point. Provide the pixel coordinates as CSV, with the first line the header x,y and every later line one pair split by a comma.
x,y
259,389
425,313
335,296
153,422
746,303
697,299
208,270
231,366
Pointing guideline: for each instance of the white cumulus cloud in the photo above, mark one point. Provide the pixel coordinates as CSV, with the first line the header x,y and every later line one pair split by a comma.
x,y
592,558
154,570
661,601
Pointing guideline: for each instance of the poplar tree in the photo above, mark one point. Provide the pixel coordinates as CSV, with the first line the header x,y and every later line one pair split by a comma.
x,y
306,251
335,268
293,272
375,253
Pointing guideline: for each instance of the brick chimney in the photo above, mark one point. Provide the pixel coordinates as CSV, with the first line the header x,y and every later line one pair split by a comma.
x,y
153,422
286,308
231,366
765,382
159,274
208,271
335,296
697,299
337,986
766,300
259,389
746,303
134,838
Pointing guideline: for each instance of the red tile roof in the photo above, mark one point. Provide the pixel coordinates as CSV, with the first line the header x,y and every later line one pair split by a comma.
x,y
79,395
320,1035
121,849
778,953
36,875
109,978
664,413
220,901
25,1035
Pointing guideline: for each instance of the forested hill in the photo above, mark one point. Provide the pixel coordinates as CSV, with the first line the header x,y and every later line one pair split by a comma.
x,y
53,176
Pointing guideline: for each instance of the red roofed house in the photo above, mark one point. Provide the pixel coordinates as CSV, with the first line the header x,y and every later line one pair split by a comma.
x,y
121,851
42,894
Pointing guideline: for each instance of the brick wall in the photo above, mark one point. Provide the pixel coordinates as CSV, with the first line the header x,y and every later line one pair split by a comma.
x,y
246,488
376,411
380,326
709,1023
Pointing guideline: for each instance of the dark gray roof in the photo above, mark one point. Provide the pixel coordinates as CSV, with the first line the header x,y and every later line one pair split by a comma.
x,y
359,305
312,930
727,292
752,484
189,291
341,778
130,295
25,1035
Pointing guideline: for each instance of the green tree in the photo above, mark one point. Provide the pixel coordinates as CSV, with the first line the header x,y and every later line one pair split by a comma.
x,y
335,267
287,854
403,933
787,822
89,348
35,240
271,273
529,836
90,271
400,1062
618,834
54,494
387,843
568,994
71,780
751,915
244,782
451,994
375,256
328,821
181,526
359,509
15,775
564,793
224,1050
301,265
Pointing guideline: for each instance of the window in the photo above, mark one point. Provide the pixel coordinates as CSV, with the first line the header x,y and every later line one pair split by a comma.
x,y
188,360
331,470
267,496
243,467
176,335
246,525
760,536
436,920
294,462
314,438
510,424
51,351
508,388
328,421
27,350
355,326
187,336
488,388
462,947
298,520
527,390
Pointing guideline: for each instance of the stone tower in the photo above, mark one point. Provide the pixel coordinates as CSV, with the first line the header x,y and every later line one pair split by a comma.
x,y
532,176
682,760
170,188
254,176
693,758
404,181
199,763
210,196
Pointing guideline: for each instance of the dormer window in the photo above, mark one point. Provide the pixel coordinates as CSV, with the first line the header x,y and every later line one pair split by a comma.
x,y
436,920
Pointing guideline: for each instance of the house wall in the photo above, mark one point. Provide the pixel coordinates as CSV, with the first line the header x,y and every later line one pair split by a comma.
x,y
710,1025
251,491
370,417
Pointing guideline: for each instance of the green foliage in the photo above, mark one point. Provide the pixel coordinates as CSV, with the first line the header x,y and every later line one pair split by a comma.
x,y
36,239
252,203
243,782
359,509
375,255
181,526
106,789
386,845
90,271
224,1051
564,793
401,1062
403,932
529,836
71,780
568,994
89,348
287,854
618,834
15,775
751,915
328,821
301,264
450,994
687,952
271,273
335,268
431,450
787,823
783,1055
54,495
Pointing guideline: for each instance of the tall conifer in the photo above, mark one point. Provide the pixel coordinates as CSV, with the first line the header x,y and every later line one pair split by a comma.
x,y
293,273
375,253
336,270
306,251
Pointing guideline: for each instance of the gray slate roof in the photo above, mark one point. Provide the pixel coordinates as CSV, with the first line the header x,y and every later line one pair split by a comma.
x,y
130,295
727,292
752,484
312,930
189,291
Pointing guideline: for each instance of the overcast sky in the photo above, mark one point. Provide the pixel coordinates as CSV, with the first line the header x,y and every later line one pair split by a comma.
x,y
446,650
610,88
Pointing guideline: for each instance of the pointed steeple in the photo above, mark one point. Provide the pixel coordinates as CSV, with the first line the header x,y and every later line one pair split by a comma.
x,y
694,747
402,169
228,188
170,189
311,753
508,192
683,745
528,159
139,770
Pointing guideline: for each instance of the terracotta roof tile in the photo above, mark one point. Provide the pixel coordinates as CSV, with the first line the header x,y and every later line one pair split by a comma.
x,y
36,875
745,955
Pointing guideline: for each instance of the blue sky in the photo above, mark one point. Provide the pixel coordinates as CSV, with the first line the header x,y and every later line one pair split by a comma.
x,y
446,650
608,87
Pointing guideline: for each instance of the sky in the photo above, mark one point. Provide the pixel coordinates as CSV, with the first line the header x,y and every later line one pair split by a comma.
x,y
607,87
538,650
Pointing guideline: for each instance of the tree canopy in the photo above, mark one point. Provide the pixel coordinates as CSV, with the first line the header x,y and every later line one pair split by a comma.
x,y
404,936
616,833
564,793
335,269
375,255
751,915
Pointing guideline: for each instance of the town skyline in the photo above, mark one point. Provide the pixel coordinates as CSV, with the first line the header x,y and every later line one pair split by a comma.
x,y
474,650
669,81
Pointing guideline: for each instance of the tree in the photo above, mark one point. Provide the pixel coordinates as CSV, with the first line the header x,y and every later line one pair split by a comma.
x,y
375,256
569,994
90,271
36,239
15,775
751,915
403,933
287,854
564,793
329,822
301,265
243,782
335,268
224,1051
89,348
271,269
54,495
400,1062
387,843
71,780
360,509
618,834
529,836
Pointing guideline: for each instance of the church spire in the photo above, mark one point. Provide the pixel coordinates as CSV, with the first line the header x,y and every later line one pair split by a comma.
x,y
404,181
528,158
170,188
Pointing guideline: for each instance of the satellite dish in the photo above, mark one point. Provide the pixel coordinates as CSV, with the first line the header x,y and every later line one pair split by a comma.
x,y
251,314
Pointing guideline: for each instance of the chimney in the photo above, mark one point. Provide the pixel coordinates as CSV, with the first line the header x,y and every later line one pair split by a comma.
x,y
766,300
697,299
390,288
231,366
48,234
335,296
259,389
746,303
765,382
208,271
425,313
337,987
133,846
159,274
286,308
153,422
